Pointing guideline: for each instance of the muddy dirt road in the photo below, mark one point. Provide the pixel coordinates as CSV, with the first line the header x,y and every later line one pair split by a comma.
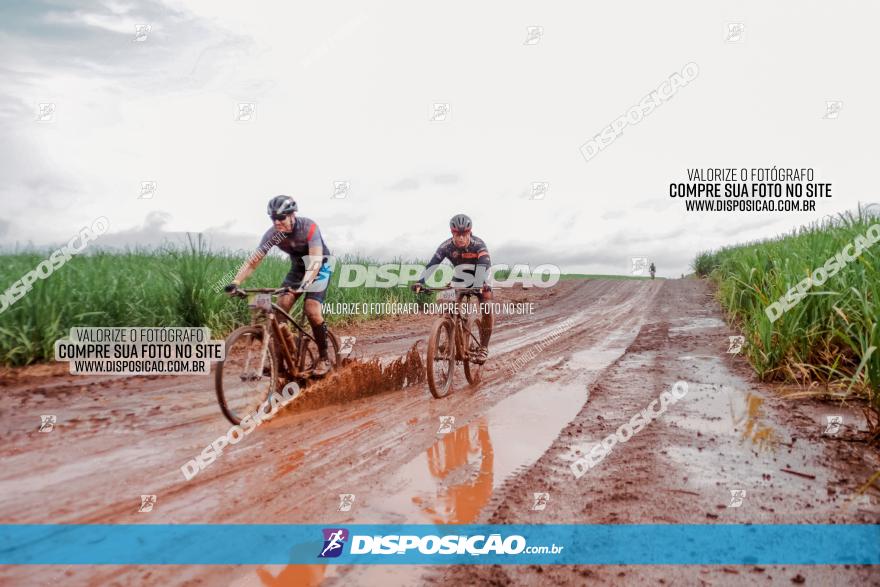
x,y
608,348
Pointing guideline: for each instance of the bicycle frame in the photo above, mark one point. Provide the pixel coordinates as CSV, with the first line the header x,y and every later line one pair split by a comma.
x,y
291,357
460,320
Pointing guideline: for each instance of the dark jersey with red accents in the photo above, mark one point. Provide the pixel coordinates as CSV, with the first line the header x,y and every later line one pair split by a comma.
x,y
475,253
296,243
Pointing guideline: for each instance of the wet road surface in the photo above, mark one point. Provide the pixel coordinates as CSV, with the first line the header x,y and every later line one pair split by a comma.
x,y
606,349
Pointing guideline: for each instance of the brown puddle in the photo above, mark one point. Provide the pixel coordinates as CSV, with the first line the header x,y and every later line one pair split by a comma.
x,y
453,479
462,466
293,576
753,447
724,412
756,429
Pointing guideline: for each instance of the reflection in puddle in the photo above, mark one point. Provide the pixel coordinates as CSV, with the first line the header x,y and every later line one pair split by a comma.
x,y
705,404
460,468
761,435
462,464
293,576
453,479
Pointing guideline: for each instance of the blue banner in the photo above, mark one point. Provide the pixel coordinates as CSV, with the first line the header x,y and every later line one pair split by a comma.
x,y
664,544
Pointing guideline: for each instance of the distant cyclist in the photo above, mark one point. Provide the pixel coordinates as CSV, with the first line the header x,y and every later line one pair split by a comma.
x,y
652,269
465,248
298,237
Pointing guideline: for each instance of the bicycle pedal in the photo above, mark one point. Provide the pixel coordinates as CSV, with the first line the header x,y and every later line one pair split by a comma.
x,y
476,358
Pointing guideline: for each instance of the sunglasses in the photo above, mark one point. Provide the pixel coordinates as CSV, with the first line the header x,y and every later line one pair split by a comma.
x,y
280,218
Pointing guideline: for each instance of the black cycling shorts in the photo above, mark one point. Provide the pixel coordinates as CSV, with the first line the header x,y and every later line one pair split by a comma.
x,y
318,289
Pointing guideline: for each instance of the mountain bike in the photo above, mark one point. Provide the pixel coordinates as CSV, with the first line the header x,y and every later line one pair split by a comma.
x,y
264,355
454,338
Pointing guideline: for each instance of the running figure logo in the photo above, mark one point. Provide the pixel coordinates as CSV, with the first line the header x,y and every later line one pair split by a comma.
x,y
346,345
832,109
47,422
346,500
440,112
334,540
834,424
736,344
735,32
639,265
246,112
541,500
46,112
147,503
736,498
141,31
539,190
148,190
447,424
340,190
533,35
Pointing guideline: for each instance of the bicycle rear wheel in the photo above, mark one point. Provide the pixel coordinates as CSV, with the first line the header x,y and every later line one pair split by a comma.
x,y
248,375
441,358
309,357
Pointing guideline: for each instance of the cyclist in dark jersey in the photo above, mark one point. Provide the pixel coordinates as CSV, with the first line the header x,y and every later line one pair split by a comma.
x,y
466,249
310,271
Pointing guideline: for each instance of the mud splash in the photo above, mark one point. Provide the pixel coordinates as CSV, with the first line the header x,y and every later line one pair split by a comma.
x,y
359,379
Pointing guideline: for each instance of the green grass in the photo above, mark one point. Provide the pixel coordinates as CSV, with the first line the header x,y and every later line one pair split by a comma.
x,y
705,263
832,335
150,287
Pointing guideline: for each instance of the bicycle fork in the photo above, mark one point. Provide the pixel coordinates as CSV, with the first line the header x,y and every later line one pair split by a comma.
x,y
286,353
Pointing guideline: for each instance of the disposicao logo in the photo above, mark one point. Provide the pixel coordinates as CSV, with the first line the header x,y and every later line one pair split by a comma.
x,y
334,540
394,544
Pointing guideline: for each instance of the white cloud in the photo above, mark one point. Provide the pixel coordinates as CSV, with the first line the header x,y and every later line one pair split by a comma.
x,y
343,93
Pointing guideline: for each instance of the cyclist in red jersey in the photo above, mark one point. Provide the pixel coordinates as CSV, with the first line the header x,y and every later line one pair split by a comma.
x,y
466,249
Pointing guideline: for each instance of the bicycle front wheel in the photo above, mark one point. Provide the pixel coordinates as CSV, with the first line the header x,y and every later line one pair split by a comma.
x,y
472,371
248,375
441,358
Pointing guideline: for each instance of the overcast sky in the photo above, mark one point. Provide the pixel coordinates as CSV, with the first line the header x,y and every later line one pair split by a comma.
x,y
345,91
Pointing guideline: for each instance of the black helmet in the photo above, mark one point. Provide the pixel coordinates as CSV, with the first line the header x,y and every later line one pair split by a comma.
x,y
460,223
281,206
